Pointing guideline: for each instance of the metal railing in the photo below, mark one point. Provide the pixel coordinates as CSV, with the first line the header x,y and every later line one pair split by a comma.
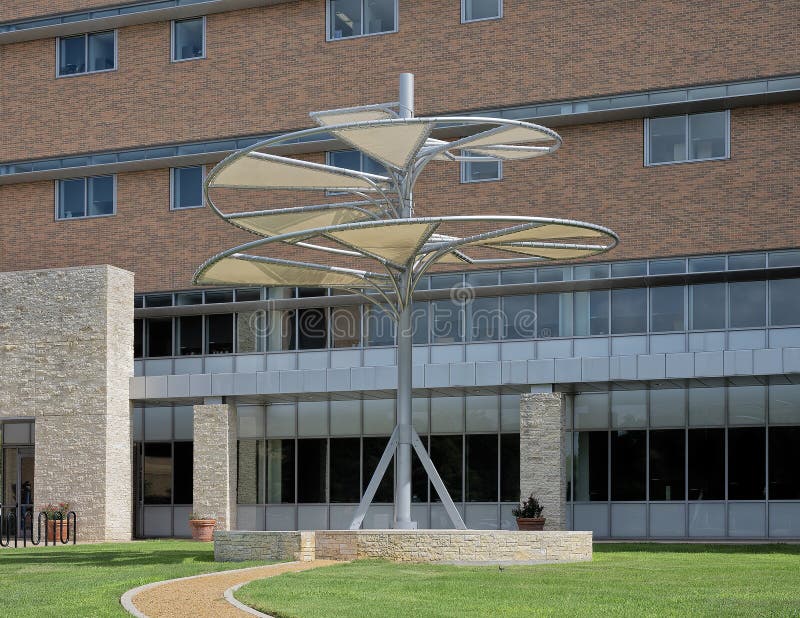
x,y
17,526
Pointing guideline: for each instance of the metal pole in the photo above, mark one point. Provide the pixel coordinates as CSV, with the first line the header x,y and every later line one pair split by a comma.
x,y
402,499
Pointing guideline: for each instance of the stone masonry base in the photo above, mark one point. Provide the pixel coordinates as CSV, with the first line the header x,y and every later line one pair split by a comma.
x,y
494,546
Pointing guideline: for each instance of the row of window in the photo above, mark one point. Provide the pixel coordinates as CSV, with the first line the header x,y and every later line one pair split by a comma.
x,y
96,196
742,463
700,307
96,52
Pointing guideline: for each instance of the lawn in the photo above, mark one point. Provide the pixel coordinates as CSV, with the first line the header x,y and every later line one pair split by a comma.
x,y
88,580
622,580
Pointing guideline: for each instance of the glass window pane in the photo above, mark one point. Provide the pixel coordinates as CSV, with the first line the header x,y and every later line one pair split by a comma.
x,y
158,423
346,417
707,135
447,414
345,18
784,481
591,271
629,409
481,9
101,51
482,278
159,337
312,418
484,319
250,331
280,419
16,433
519,317
667,267
345,469
629,311
590,456
444,282
373,451
188,41
628,465
446,318
190,335
157,473
746,405
420,323
101,196
482,412
707,264
591,313
312,329
746,464
184,422
554,315
667,139
668,407
784,302
346,326
379,326
250,468
347,159
189,298
219,296
746,261
250,421
667,464
187,187
477,171
707,306
509,412
706,464
379,416
629,269
182,470
481,477
378,16
72,198
707,406
420,410
220,333
748,304
446,454
591,410
517,276
553,274
311,467
666,309
72,55
509,467
784,403
280,470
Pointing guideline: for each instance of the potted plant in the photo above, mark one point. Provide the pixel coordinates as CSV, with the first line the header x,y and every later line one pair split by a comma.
x,y
529,514
57,528
202,527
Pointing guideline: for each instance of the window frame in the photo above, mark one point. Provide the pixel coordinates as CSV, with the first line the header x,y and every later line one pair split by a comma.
x,y
464,19
727,155
329,23
465,179
86,180
86,36
172,57
172,176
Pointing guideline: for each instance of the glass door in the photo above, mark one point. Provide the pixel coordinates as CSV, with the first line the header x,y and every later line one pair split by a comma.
x,y
25,471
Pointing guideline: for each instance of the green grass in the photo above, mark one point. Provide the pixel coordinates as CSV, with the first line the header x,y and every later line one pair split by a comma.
x,y
622,580
88,580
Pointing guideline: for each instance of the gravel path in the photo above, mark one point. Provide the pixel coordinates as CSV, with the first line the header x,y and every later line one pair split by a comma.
x,y
202,596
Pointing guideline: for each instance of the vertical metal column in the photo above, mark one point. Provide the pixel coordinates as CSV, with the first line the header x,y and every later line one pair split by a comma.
x,y
402,500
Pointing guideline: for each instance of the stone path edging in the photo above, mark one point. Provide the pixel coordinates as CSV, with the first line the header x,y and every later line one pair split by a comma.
x,y
127,599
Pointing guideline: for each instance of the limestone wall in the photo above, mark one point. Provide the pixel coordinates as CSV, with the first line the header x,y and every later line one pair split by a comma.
x,y
214,479
405,545
66,358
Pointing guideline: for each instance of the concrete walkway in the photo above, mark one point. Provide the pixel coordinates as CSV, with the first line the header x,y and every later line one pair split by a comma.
x,y
203,596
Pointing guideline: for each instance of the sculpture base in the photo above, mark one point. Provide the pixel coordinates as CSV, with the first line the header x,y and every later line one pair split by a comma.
x,y
437,546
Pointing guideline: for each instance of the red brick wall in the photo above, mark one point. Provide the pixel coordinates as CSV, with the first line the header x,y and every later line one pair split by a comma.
x,y
267,67
748,202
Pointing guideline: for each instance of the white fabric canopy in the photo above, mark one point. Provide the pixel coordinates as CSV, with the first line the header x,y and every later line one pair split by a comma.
x,y
342,116
549,231
553,253
396,242
240,270
285,222
395,144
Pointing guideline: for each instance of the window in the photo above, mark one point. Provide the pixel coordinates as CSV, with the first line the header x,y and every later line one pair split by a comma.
x,y
692,137
187,187
706,464
344,469
353,160
87,53
481,472
447,455
86,197
784,301
351,18
629,311
312,459
591,313
746,463
667,448
784,482
480,170
373,451
478,10
590,466
666,309
483,318
748,304
628,456
189,39
707,306
554,315
159,337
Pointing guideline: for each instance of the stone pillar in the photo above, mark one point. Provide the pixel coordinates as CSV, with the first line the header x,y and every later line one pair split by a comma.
x,y
542,454
66,359
214,479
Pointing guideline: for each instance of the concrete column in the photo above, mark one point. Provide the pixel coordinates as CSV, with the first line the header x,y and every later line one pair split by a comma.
x,y
542,454
66,359
214,479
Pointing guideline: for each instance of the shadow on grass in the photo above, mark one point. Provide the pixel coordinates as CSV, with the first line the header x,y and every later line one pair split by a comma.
x,y
108,559
696,548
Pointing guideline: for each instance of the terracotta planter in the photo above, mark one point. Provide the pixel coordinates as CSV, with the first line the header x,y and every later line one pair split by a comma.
x,y
530,523
56,530
203,529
